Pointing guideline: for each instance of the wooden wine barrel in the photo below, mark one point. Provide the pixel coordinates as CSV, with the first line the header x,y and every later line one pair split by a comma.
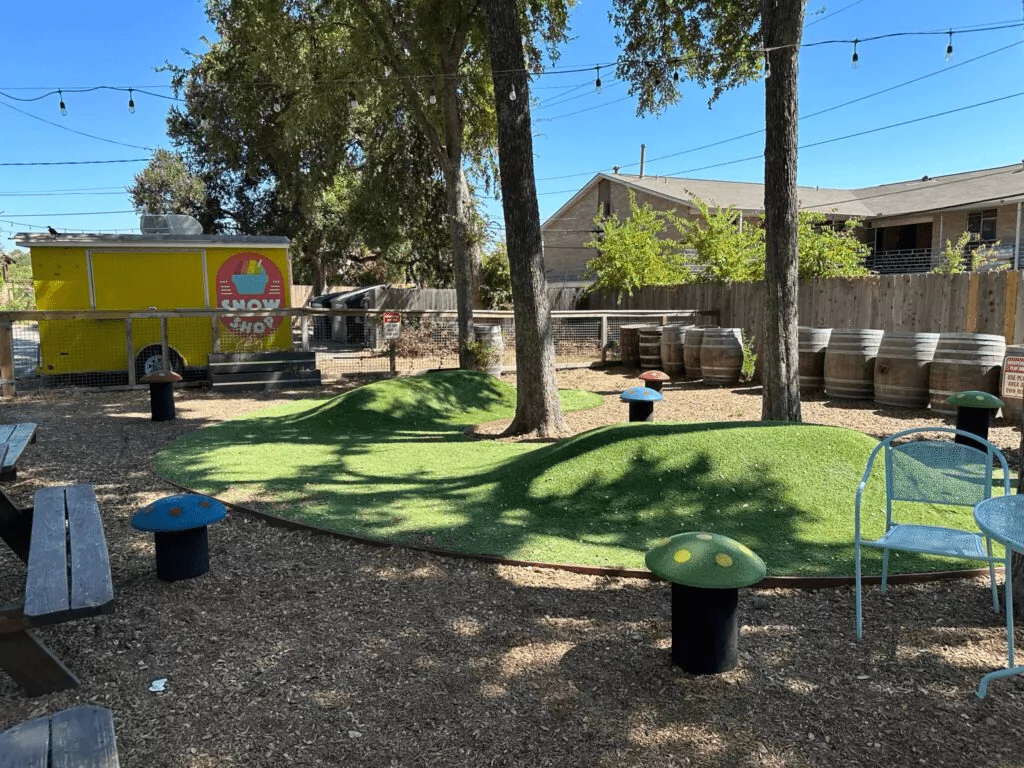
x,y
902,368
1011,387
721,356
812,343
692,340
672,349
850,363
490,337
650,347
629,343
964,361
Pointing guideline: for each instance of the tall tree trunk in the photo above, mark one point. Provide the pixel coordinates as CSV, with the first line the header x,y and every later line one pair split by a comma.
x,y
781,24
465,243
537,408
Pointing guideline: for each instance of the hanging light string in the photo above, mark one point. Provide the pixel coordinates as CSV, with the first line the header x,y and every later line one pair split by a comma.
x,y
671,63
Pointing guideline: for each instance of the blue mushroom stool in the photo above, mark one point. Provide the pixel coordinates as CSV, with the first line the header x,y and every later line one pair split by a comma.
x,y
641,402
180,527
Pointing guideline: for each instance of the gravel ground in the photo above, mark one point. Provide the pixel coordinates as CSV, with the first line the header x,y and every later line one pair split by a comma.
x,y
299,649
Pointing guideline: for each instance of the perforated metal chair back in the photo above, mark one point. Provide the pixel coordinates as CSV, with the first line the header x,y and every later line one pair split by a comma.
x,y
930,471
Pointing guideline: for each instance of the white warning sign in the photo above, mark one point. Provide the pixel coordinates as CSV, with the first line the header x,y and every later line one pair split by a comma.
x,y
1013,378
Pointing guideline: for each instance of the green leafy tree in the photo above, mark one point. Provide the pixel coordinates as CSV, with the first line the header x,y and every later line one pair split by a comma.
x,y
724,44
829,252
495,279
636,251
723,250
166,185
16,293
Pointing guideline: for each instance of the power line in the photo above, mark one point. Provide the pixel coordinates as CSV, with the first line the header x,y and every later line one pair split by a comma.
x,y
833,139
48,191
72,130
861,133
77,213
79,162
581,111
830,15
759,131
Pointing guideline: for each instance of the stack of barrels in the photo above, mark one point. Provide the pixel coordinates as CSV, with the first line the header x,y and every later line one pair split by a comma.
x,y
685,351
672,339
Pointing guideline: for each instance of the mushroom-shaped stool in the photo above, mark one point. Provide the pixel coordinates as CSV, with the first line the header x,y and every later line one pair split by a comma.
x,y
973,412
179,524
706,571
641,402
161,394
654,379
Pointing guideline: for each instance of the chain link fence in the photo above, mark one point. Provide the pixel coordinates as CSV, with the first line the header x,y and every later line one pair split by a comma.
x,y
117,349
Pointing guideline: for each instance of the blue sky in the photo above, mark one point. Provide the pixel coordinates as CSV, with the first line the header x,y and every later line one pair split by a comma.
x,y
74,44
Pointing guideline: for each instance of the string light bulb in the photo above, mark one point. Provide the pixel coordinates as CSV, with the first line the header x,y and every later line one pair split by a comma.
x,y
204,123
432,99
597,82
63,106
512,94
277,106
353,102
387,71
131,102
675,76
949,47
767,66
855,59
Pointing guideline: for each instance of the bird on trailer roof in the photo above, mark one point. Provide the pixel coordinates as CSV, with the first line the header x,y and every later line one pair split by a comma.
x,y
53,232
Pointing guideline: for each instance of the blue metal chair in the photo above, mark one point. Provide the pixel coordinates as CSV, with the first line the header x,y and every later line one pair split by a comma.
x,y
930,472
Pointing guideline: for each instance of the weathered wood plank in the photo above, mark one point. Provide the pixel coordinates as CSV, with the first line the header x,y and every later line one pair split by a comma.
x,y
91,586
83,737
26,745
46,584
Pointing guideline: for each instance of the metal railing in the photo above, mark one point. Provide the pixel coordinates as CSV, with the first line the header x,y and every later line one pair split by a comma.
x,y
116,349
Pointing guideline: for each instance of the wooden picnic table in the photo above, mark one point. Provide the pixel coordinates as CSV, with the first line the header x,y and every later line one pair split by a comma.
x,y
68,577
82,737
14,438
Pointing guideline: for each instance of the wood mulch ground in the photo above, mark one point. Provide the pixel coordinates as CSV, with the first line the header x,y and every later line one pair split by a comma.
x,y
300,649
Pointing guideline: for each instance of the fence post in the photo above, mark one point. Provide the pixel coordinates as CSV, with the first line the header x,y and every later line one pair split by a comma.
x,y
304,320
6,358
165,350
129,345
214,333
604,333
392,362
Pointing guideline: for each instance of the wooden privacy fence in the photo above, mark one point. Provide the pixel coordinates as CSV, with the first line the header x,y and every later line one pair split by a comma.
x,y
976,302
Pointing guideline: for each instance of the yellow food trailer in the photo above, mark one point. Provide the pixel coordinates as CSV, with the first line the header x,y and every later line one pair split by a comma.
x,y
125,273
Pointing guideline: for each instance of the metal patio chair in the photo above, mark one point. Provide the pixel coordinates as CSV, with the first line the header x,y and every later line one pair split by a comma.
x,y
930,472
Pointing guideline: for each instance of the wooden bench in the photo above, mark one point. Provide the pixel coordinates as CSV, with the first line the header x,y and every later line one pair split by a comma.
x,y
15,438
82,737
68,577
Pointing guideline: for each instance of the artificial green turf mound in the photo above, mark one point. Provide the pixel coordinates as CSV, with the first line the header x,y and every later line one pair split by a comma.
x,y
389,461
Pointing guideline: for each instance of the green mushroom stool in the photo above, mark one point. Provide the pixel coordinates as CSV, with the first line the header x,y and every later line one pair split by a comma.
x,y
973,412
706,571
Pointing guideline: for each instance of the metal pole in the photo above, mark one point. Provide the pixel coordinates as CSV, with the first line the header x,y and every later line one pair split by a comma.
x,y
165,351
129,343
1016,239
391,358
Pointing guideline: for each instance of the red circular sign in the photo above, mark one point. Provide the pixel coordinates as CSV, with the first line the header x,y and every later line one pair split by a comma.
x,y
250,281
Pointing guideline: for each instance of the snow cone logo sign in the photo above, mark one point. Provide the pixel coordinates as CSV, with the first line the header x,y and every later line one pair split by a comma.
x,y
250,281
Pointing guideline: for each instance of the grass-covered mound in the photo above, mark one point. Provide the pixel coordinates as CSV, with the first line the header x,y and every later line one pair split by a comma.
x,y
389,461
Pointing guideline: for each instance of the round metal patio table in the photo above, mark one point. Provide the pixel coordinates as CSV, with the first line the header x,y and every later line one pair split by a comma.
x,y
1002,519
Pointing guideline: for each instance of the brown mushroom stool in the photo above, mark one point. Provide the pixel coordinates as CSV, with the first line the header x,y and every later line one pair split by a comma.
x,y
654,379
161,394
974,409
706,571
180,527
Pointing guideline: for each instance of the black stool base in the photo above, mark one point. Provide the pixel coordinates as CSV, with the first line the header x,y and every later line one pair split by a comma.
x,y
182,554
705,629
641,411
975,421
161,401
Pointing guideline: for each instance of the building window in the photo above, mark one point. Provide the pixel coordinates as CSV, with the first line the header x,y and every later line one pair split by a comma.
x,y
604,198
983,225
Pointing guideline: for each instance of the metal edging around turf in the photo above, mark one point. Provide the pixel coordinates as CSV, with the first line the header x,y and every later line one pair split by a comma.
x,y
769,582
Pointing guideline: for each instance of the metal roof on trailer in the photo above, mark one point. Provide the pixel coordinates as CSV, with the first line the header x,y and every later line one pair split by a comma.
x,y
71,240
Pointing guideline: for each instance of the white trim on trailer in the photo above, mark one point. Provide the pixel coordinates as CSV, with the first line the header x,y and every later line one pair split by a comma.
x,y
206,282
92,282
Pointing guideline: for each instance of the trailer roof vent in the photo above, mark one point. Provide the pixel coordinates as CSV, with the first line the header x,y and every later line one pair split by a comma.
x,y
169,224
